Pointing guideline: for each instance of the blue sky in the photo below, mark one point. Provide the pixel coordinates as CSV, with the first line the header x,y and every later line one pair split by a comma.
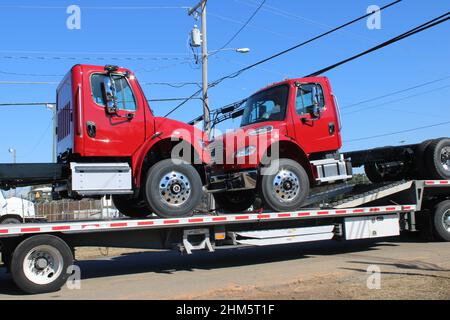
x,y
31,29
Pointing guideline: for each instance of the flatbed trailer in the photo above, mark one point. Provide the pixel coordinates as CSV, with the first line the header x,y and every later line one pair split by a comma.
x,y
39,255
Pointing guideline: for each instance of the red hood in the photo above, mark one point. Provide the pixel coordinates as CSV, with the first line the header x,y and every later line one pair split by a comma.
x,y
261,135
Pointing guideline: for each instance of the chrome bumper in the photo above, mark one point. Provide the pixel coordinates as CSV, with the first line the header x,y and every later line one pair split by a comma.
x,y
243,180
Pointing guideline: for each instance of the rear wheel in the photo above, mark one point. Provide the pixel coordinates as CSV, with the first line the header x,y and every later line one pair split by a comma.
x,y
285,185
173,189
131,207
441,220
235,201
39,264
438,159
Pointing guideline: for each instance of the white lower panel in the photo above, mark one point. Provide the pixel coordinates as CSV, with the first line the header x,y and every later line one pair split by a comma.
x,y
263,234
371,227
283,240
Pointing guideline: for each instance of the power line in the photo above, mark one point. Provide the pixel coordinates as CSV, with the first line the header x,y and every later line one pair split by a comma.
x,y
29,82
237,73
31,74
394,93
102,58
418,29
97,7
244,25
397,100
399,132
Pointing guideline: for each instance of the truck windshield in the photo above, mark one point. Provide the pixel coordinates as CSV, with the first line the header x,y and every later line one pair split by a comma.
x,y
267,105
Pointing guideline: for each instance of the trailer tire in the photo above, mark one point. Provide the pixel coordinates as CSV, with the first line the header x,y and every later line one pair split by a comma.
x,y
235,201
420,164
438,159
10,220
173,189
285,186
37,253
375,176
441,220
131,207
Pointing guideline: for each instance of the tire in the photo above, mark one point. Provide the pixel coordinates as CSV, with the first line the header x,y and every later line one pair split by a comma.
x,y
420,162
33,249
441,220
285,185
131,207
376,176
372,173
235,201
173,189
10,220
437,158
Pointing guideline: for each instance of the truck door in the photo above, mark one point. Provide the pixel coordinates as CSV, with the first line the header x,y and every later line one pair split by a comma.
x,y
119,134
314,132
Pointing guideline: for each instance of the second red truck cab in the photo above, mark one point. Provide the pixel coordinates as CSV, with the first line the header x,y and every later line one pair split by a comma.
x,y
289,140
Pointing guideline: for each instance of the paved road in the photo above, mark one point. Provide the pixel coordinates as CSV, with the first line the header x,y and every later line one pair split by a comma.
x,y
339,268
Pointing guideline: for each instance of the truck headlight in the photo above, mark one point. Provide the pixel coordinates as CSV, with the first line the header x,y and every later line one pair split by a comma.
x,y
246,151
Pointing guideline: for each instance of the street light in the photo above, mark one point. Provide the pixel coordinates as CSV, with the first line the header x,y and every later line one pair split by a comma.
x,y
238,50
13,152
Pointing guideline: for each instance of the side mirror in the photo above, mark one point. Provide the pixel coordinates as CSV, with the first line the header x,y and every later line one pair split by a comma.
x,y
109,95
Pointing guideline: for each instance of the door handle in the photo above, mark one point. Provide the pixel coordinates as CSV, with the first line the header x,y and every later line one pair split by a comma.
x,y
91,129
331,127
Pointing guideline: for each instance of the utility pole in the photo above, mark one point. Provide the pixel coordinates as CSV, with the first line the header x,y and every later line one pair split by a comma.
x,y
206,119
13,152
52,107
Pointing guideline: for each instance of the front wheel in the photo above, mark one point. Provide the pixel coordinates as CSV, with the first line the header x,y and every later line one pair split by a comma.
x,y
173,189
235,201
40,264
284,185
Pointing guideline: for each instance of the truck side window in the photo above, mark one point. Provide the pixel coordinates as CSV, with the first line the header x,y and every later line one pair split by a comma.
x,y
125,97
304,101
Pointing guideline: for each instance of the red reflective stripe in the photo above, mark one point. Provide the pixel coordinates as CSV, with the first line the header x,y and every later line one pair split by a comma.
x,y
59,228
283,215
303,214
358,211
219,218
171,221
429,182
30,229
118,224
390,209
407,208
4,231
374,209
443,182
322,212
263,216
145,223
241,217
196,220
341,211
90,225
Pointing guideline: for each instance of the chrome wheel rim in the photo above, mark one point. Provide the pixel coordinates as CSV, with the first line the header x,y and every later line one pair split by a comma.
x,y
175,188
446,220
286,185
445,158
43,265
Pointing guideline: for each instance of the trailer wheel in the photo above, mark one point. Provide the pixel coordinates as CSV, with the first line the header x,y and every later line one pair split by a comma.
x,y
131,207
438,159
235,201
285,186
173,189
39,264
441,219
376,174
10,220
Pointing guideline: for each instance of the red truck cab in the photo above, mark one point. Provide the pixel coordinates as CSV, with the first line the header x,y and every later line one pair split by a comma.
x,y
289,140
103,117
